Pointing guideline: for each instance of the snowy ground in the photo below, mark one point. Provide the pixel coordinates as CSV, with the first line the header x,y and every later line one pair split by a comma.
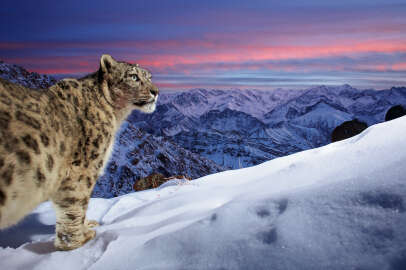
x,y
342,206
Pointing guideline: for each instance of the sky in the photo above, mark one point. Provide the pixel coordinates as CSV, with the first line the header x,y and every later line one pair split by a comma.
x,y
223,44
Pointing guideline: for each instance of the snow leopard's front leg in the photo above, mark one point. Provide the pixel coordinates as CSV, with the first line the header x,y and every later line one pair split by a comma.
x,y
71,202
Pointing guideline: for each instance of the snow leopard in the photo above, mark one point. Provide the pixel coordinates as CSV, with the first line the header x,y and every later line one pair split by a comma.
x,y
54,143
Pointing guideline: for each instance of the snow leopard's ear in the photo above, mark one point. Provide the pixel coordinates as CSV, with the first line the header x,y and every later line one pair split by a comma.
x,y
107,63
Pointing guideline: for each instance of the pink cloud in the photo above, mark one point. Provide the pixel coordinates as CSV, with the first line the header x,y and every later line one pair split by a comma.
x,y
209,55
240,54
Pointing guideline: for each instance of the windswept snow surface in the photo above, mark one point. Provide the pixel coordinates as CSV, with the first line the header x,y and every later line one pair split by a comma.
x,y
341,206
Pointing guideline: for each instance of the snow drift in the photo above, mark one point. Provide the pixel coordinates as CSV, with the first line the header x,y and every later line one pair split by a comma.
x,y
341,206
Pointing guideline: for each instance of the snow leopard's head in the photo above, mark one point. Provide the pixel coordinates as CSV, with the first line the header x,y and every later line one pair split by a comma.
x,y
130,85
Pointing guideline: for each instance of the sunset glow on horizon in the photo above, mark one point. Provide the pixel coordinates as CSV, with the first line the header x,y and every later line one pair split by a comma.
x,y
214,44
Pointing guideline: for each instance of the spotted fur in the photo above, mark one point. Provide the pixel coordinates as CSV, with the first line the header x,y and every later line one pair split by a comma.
x,y
54,143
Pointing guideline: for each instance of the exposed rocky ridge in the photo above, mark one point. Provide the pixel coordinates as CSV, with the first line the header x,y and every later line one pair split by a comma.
x,y
17,74
138,154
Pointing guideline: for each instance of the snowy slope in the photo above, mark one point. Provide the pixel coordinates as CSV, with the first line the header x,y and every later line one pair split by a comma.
x,y
341,206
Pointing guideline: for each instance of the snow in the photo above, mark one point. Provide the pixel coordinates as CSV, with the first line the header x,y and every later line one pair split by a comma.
x,y
341,206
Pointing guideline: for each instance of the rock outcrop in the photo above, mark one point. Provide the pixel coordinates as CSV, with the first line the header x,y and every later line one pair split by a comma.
x,y
395,112
347,130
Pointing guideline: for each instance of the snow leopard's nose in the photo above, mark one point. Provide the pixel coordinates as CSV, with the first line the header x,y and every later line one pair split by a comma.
x,y
154,91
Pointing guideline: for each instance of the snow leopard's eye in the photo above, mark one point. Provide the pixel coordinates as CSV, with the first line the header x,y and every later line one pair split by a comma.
x,y
135,77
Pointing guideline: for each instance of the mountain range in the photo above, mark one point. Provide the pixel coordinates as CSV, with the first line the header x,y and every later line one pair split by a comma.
x,y
240,128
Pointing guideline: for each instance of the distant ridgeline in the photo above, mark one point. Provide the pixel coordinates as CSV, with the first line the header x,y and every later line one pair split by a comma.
x,y
199,132
19,75
240,128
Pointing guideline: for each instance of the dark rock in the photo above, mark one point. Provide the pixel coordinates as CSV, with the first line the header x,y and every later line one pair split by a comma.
x,y
347,130
395,112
